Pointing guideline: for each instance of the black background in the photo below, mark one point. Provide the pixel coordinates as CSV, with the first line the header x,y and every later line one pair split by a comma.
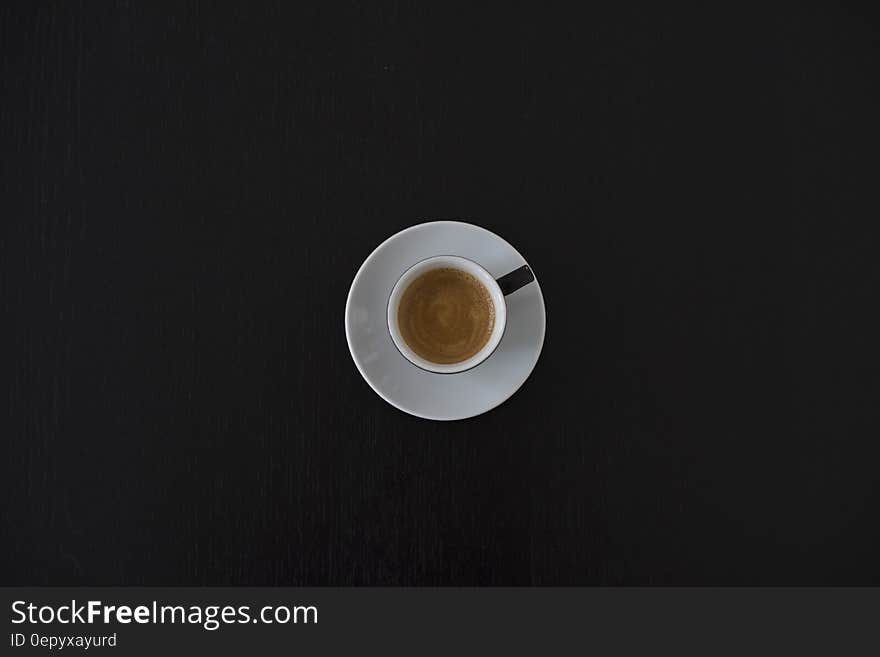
x,y
187,193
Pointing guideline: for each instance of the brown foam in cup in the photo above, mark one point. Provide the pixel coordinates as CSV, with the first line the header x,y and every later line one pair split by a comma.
x,y
446,315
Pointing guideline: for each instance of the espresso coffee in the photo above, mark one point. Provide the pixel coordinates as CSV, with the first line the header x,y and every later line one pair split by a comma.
x,y
446,315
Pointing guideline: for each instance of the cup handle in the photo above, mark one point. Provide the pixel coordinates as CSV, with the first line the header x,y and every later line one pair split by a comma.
x,y
510,283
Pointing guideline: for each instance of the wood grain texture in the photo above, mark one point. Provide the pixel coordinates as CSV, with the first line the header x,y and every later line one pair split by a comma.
x,y
185,198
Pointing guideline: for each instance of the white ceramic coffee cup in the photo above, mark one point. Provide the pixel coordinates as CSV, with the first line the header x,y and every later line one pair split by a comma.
x,y
497,290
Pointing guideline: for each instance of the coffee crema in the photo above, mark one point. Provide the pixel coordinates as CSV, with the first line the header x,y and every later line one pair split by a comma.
x,y
446,315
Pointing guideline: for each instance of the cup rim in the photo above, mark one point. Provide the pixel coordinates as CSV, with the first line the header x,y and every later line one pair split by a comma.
x,y
466,365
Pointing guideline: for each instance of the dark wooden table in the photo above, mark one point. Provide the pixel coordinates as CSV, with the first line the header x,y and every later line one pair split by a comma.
x,y
185,198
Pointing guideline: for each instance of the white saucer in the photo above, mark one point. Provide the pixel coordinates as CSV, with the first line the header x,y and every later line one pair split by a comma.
x,y
402,384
